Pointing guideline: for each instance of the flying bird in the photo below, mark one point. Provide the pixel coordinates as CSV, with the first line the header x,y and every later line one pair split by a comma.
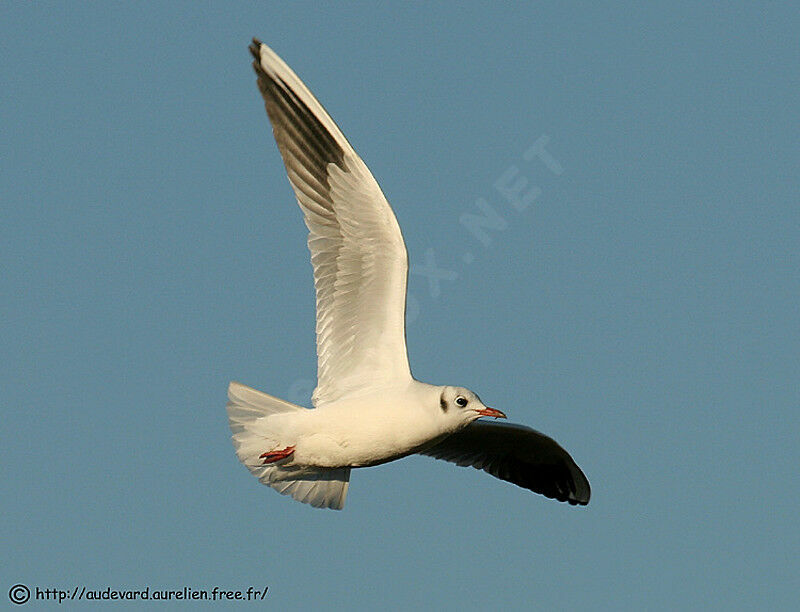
x,y
368,409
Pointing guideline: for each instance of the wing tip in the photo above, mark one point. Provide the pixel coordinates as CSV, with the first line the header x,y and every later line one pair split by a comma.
x,y
577,501
255,47
580,491
255,51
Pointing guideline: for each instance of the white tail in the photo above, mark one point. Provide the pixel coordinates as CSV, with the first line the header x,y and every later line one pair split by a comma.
x,y
248,413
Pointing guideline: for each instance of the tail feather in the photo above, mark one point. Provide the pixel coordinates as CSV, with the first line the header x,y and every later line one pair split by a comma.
x,y
248,413
246,404
322,488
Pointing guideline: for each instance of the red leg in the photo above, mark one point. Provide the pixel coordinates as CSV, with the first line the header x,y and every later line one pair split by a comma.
x,y
273,456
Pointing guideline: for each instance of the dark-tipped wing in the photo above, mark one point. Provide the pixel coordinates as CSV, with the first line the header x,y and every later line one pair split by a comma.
x,y
516,454
357,250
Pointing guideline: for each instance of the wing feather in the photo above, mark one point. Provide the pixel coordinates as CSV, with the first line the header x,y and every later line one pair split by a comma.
x,y
516,454
357,250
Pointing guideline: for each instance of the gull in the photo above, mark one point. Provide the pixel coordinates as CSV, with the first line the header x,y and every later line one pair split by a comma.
x,y
368,409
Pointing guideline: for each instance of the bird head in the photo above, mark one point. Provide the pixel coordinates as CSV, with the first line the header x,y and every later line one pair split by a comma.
x,y
464,406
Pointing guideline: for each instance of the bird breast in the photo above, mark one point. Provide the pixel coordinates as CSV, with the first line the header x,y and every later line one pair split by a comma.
x,y
363,432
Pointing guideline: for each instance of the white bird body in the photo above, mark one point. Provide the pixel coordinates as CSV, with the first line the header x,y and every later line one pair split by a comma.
x,y
368,409
360,431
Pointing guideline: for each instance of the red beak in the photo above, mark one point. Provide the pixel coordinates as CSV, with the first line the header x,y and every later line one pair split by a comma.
x,y
492,413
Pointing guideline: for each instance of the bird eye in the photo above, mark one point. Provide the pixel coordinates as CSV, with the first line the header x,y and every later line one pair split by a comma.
x,y
461,401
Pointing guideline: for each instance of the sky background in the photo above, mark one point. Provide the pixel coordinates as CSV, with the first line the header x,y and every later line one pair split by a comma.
x,y
642,309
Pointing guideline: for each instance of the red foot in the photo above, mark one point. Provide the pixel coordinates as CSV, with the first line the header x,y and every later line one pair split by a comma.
x,y
273,456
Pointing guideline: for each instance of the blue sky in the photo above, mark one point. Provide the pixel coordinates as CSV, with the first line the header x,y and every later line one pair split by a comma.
x,y
641,308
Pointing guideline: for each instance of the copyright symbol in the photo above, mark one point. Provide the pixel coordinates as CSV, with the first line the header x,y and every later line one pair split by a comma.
x,y
19,594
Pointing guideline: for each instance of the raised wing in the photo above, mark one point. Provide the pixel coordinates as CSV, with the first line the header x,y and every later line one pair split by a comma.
x,y
357,251
516,454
